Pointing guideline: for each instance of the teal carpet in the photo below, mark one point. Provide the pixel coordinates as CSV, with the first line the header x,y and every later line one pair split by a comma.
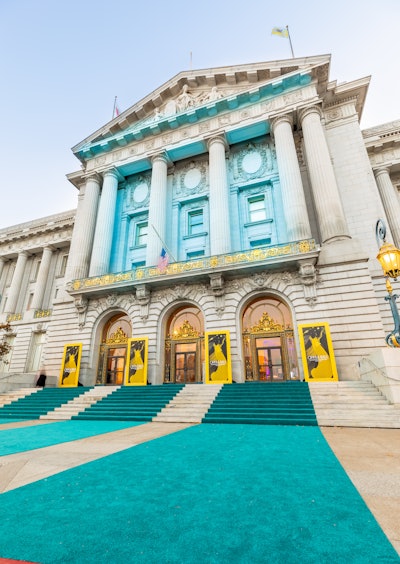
x,y
39,436
226,494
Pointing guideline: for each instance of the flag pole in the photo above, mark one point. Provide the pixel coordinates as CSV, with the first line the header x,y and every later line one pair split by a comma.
x,y
163,244
115,105
290,41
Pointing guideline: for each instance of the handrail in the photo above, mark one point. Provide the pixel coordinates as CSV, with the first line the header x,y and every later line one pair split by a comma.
x,y
375,367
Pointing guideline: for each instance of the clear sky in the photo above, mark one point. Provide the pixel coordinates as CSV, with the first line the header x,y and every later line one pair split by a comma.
x,y
62,63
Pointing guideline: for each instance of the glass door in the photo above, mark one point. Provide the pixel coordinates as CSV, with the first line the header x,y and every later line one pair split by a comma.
x,y
185,363
269,359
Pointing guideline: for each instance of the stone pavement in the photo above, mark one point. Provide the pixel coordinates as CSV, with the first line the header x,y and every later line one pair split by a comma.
x,y
371,458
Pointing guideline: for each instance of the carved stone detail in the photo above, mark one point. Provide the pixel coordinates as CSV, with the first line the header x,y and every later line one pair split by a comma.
x,y
191,178
136,195
308,277
81,304
143,297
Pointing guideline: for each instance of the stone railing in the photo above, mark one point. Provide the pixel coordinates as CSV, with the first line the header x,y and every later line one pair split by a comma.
x,y
230,260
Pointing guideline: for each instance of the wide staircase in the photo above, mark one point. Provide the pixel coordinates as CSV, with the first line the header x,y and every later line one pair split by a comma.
x,y
283,403
39,402
80,403
131,403
189,405
353,404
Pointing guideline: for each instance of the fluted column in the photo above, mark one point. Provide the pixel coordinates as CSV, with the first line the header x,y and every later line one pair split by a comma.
x,y
294,203
103,236
157,209
390,202
16,283
331,218
41,282
82,236
220,231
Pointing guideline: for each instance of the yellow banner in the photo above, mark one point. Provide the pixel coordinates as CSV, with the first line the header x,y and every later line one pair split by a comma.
x,y
218,358
136,367
317,352
71,362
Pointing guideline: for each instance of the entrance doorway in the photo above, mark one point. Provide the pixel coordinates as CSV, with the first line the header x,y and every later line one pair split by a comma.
x,y
268,341
269,359
113,350
185,363
184,347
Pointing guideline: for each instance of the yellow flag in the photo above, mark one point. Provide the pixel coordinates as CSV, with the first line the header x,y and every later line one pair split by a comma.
x,y
281,31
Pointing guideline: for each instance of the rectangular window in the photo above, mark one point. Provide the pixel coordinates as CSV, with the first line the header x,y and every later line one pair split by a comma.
x,y
195,222
257,211
35,352
63,265
36,268
141,234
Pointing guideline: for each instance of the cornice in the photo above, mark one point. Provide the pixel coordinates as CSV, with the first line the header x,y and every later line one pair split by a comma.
x,y
147,129
50,224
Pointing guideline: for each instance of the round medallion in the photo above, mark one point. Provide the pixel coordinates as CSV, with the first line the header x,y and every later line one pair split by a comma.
x,y
252,162
192,178
140,192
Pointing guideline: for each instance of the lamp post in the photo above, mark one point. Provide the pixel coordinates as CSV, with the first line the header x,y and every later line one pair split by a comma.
x,y
389,258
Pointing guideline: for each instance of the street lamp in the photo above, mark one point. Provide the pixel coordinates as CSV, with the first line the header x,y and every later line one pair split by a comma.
x,y
389,258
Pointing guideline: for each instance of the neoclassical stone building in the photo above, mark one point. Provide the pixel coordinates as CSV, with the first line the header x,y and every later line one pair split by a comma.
x,y
264,192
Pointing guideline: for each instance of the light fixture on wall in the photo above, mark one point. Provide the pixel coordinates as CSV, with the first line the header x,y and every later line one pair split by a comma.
x,y
389,258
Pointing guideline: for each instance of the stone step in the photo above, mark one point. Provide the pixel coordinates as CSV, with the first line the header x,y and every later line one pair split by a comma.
x,y
80,403
353,404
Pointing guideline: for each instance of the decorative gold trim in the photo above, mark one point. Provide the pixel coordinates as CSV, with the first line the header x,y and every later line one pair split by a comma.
x,y
266,324
185,331
117,338
250,256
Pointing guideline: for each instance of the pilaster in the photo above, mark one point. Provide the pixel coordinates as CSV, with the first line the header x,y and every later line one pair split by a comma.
x,y
390,202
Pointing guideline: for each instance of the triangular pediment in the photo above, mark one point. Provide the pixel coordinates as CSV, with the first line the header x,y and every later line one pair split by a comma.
x,y
209,90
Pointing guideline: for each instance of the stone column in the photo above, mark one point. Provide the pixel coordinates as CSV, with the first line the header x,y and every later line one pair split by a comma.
x,y
82,236
16,283
2,263
331,218
390,202
220,232
294,203
41,282
103,237
157,209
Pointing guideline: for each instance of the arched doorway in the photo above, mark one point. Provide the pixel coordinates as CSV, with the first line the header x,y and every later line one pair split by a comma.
x,y
268,341
113,348
184,346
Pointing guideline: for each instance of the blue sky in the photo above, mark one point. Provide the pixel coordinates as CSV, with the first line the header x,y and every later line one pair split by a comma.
x,y
62,63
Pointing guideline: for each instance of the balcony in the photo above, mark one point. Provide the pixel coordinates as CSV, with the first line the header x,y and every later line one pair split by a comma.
x,y
231,265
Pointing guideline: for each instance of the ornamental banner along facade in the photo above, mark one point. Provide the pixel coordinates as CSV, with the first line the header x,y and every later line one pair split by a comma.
x,y
317,352
69,373
136,368
218,358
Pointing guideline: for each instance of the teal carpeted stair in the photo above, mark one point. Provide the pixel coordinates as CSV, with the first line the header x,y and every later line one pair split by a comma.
x,y
131,403
39,403
283,403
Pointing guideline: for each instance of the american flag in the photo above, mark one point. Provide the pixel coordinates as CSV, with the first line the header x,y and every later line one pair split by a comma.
x,y
163,260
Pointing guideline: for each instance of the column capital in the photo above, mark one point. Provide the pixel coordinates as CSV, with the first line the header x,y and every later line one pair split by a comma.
x,y
382,170
308,110
219,139
282,118
94,177
114,173
161,157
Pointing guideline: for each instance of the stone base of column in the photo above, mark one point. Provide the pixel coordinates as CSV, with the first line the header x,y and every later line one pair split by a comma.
x,y
340,251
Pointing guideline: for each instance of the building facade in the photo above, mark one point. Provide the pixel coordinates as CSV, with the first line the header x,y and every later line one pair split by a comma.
x,y
240,199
